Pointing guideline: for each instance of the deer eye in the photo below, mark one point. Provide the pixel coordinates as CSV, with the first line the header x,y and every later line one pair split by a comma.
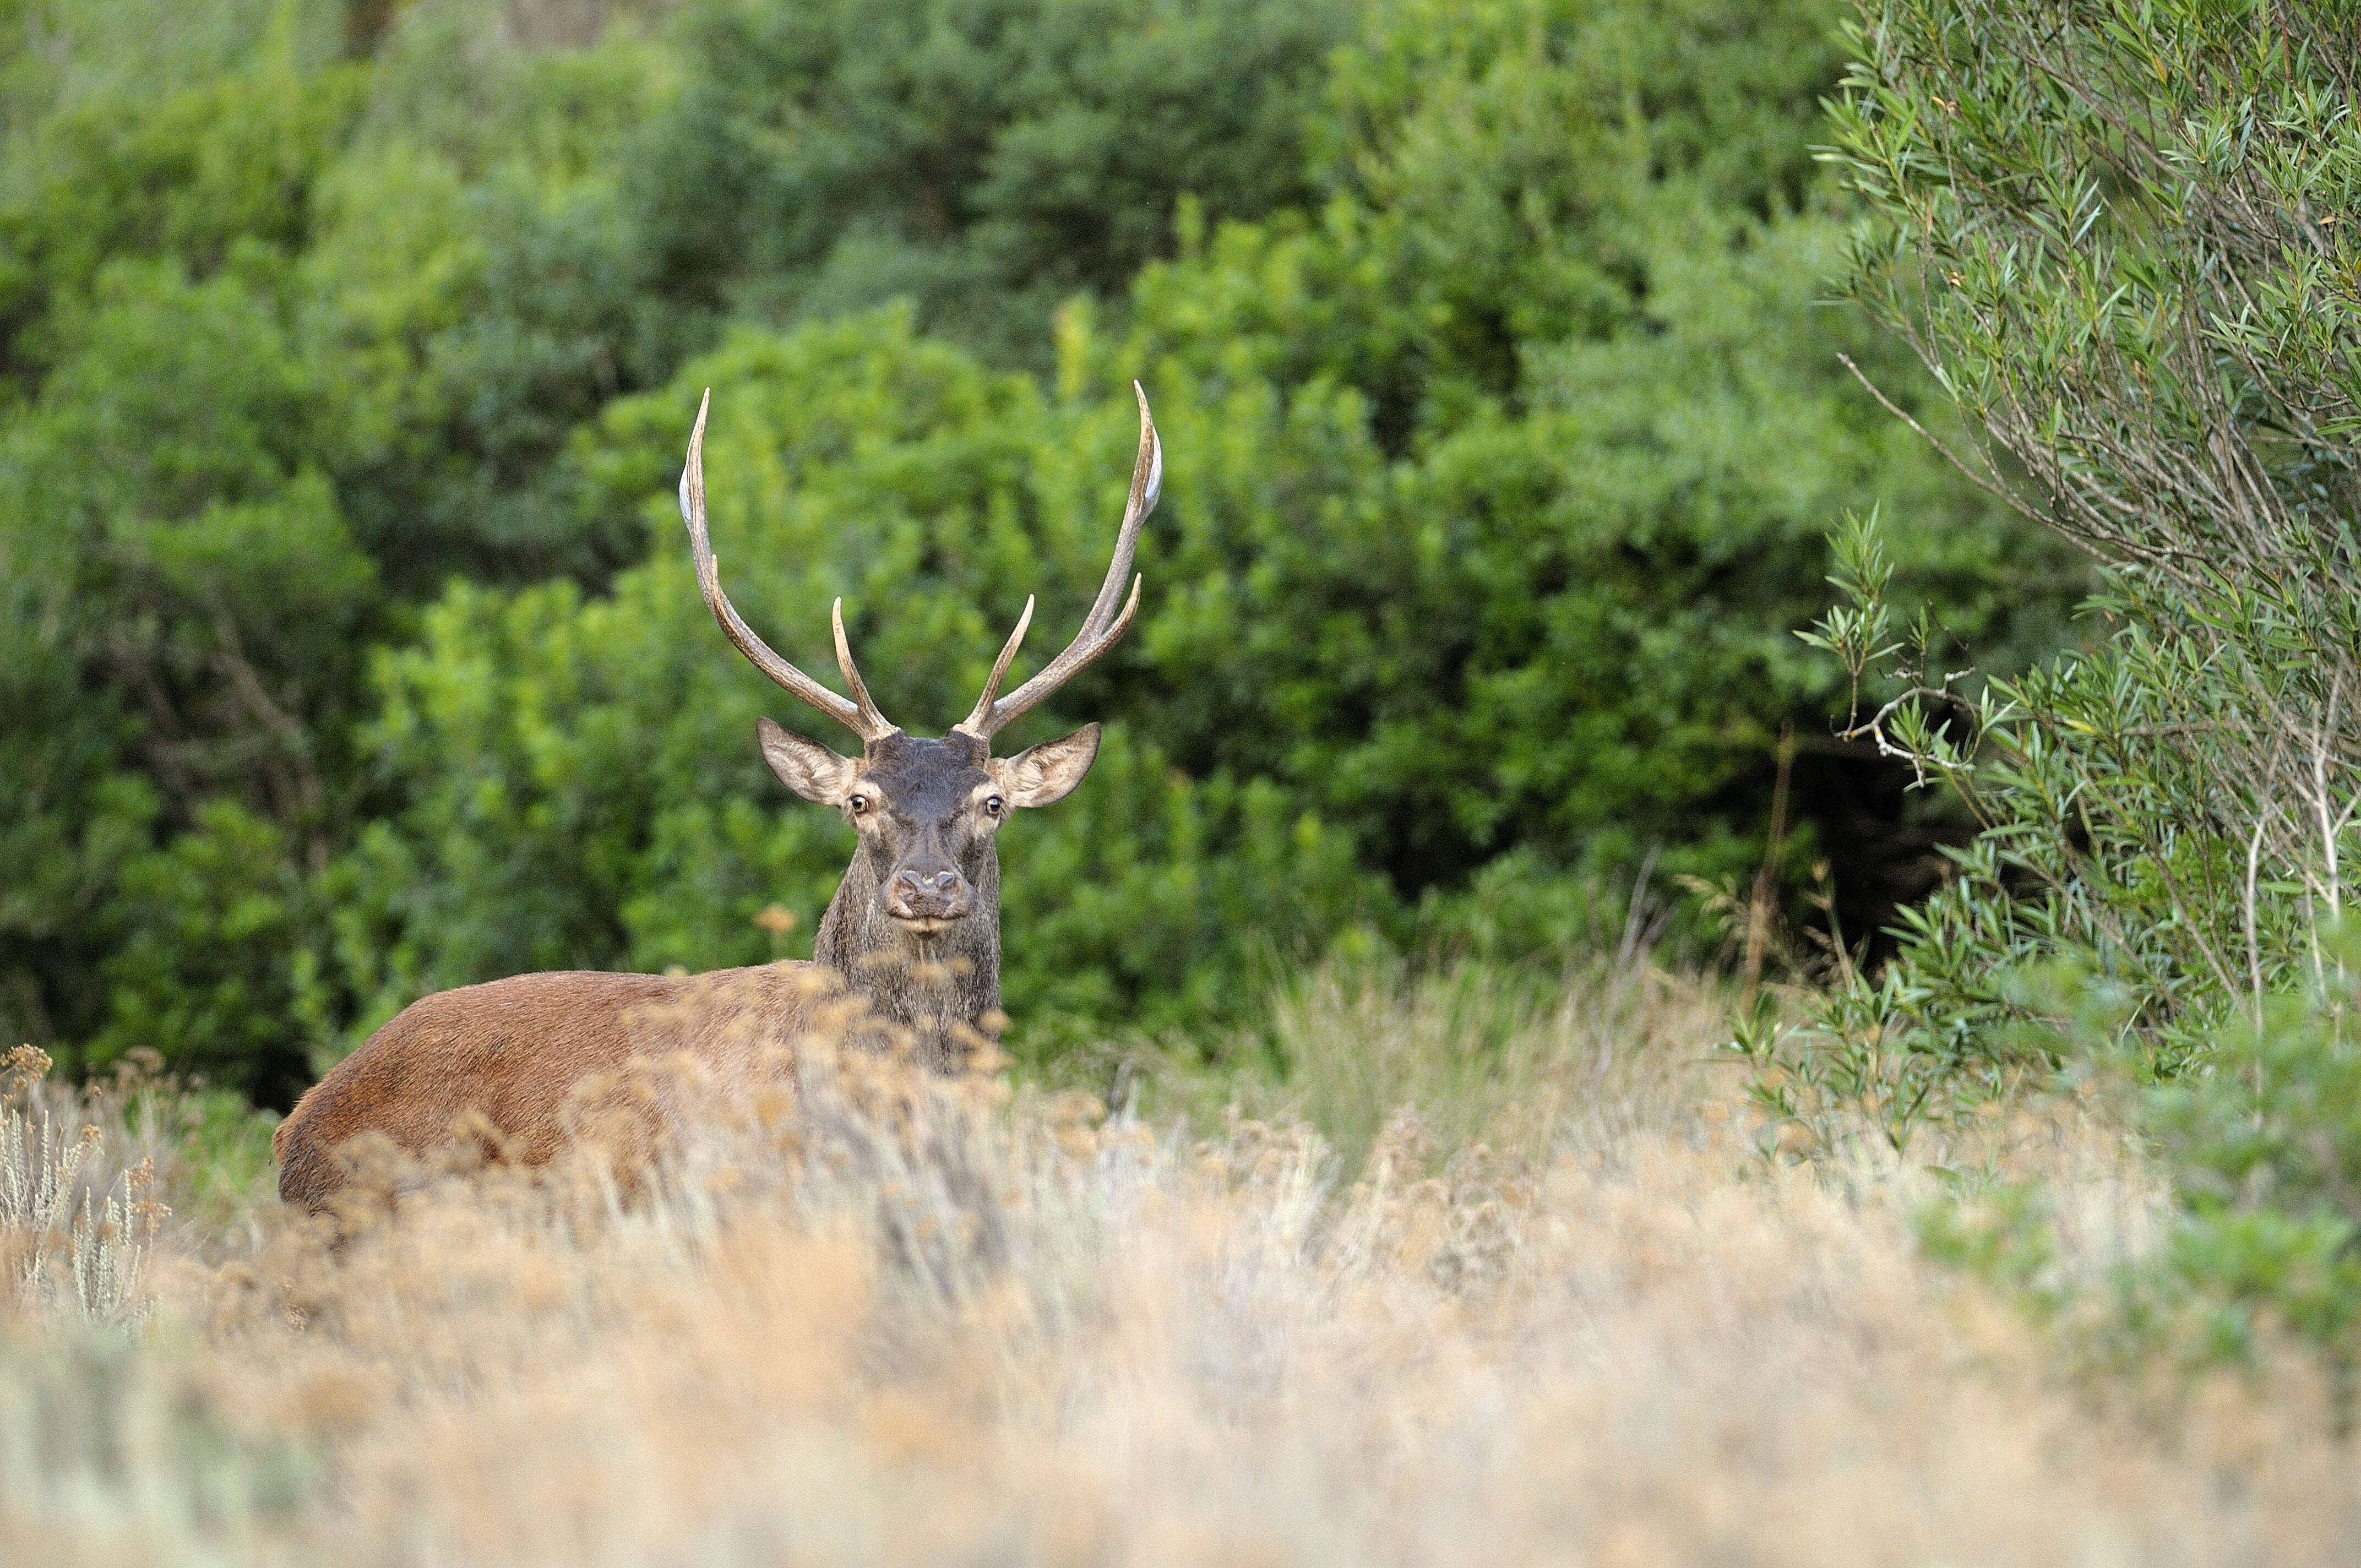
x,y
995,806
857,803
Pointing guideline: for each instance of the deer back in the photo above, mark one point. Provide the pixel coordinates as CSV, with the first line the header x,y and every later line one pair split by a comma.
x,y
512,1053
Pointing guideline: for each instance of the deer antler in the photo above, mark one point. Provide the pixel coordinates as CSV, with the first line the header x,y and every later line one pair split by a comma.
x,y
860,713
1101,626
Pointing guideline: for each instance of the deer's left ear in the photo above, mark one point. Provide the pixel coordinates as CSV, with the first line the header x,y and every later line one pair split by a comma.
x,y
1047,773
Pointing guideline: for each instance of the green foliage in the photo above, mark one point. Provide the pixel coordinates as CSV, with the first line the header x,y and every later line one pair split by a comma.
x,y
475,288
2262,1143
1519,443
2125,240
2123,236
583,781
1532,610
192,608
200,972
983,159
2275,1122
342,397
60,56
226,284
223,166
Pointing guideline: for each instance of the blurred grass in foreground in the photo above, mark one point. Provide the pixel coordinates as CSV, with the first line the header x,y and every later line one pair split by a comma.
x,y
1550,1305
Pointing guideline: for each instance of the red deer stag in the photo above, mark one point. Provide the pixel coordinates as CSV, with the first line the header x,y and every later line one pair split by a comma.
x,y
914,929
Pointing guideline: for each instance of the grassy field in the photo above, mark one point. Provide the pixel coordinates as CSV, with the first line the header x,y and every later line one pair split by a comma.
x,y
1499,1273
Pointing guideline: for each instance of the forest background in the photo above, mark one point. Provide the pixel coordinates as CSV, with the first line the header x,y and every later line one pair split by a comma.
x,y
348,647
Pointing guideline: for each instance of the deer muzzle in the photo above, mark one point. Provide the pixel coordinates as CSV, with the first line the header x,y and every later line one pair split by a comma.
x,y
928,896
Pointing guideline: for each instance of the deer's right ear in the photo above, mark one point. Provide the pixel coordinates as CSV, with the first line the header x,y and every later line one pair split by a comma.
x,y
806,767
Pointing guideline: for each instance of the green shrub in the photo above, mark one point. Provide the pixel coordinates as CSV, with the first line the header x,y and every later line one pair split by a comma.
x,y
2123,236
253,363
1485,492
984,160
1497,405
583,783
2260,1144
473,287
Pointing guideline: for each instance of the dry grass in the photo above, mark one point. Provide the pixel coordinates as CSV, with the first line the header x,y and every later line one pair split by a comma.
x,y
1533,1065
901,1323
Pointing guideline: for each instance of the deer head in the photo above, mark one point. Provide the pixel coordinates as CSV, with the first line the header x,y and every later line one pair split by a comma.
x,y
916,923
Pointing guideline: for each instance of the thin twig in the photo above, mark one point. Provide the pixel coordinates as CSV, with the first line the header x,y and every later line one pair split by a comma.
x,y
1949,457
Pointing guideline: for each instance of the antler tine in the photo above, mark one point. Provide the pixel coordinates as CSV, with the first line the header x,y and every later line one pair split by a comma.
x,y
1104,625
863,720
873,723
982,714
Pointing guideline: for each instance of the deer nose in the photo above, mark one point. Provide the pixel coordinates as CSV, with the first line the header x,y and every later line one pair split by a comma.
x,y
921,893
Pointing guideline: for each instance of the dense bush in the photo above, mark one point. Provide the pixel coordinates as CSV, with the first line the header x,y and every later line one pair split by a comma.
x,y
582,780
2125,240
245,396
1487,500
984,158
344,394
2258,1145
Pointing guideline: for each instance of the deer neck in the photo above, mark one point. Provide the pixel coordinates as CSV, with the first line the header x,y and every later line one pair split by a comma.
x,y
943,986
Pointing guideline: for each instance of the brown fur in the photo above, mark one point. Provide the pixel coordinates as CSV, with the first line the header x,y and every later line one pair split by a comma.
x,y
513,1050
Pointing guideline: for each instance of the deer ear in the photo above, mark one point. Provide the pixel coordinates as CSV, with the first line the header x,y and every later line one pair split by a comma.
x,y
1047,773
806,767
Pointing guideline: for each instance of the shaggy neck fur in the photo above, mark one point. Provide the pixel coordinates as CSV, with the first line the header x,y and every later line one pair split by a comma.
x,y
938,984
942,985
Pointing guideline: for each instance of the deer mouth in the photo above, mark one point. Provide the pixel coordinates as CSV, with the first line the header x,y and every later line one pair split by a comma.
x,y
927,912
927,902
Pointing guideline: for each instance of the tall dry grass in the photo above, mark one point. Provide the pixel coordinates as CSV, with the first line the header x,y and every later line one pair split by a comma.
x,y
1529,1063
1563,1314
